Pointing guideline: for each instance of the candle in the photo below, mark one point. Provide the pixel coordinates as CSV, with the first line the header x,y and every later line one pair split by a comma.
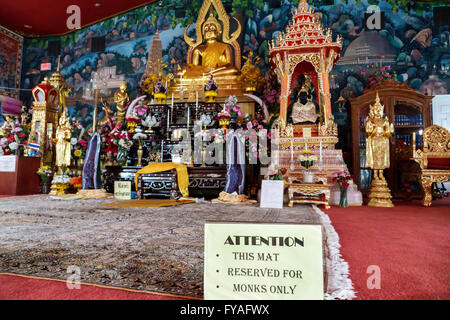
x,y
292,149
306,146
168,119
181,82
188,116
162,150
320,155
196,99
172,99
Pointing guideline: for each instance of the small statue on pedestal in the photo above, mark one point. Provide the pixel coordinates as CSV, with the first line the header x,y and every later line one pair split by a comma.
x,y
378,131
62,139
121,99
304,110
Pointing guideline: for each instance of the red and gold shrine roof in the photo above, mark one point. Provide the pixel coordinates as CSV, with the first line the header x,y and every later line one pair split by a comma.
x,y
305,34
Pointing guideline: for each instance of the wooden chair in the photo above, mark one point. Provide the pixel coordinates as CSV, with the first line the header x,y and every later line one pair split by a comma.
x,y
434,159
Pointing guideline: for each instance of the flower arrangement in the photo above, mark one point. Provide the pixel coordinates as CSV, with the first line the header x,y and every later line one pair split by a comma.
x,y
76,182
342,178
307,158
13,135
375,74
118,143
271,95
45,173
232,108
79,140
277,175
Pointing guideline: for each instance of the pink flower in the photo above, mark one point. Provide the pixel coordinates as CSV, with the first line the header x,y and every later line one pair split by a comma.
x,y
260,127
11,138
249,125
239,113
269,135
22,135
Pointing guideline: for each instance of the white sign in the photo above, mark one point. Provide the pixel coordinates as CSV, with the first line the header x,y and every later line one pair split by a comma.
x,y
122,190
7,163
272,194
258,261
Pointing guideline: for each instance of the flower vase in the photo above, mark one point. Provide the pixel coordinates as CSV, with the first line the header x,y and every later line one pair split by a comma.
x,y
308,176
343,203
45,187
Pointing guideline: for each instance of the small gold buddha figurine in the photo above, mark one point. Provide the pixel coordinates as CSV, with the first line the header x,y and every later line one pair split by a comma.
x,y
121,98
378,131
210,55
62,139
304,110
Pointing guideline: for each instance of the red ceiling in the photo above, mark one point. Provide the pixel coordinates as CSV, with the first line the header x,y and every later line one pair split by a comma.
x,y
49,17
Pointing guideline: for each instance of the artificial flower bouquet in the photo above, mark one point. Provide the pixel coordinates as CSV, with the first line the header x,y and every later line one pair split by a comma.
x,y
307,158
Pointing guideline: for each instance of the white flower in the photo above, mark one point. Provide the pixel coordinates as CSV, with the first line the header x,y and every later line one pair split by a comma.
x,y
73,141
13,145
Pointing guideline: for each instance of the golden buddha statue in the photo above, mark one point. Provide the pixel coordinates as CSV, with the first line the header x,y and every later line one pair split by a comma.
x,y
62,138
121,98
304,110
378,131
213,56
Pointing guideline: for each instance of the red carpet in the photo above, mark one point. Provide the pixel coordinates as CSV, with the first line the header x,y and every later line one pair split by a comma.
x,y
409,243
15,287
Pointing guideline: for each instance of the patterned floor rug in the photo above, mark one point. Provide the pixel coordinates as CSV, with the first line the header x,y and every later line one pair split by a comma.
x,y
155,249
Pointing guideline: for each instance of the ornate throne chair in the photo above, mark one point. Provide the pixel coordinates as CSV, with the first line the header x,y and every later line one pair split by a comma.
x,y
434,159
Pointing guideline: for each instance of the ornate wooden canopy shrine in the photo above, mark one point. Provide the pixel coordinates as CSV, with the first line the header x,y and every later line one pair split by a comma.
x,y
305,49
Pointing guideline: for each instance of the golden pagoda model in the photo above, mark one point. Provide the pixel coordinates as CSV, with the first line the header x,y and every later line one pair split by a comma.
x,y
214,52
378,131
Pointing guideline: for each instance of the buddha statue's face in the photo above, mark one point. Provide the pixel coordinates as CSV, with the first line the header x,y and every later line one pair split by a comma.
x,y
123,86
210,31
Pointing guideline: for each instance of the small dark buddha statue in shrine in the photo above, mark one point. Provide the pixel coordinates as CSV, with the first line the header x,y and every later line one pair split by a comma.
x,y
303,111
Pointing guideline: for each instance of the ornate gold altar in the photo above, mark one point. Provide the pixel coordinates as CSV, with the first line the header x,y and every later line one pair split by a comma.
x,y
434,159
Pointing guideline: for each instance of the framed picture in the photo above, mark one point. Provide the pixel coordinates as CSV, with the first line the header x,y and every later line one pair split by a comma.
x,y
11,49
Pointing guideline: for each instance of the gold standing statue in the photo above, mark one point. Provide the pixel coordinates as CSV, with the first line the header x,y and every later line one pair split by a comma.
x,y
121,98
62,139
378,132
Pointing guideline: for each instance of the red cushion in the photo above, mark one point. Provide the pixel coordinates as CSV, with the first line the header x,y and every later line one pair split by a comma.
x,y
439,163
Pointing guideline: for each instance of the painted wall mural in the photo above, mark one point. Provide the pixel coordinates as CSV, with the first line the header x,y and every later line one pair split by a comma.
x,y
11,48
409,49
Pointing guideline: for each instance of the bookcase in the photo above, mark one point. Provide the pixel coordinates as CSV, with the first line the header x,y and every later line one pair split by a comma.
x,y
410,112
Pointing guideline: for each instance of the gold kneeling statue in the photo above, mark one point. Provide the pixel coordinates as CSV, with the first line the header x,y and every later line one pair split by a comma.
x,y
378,131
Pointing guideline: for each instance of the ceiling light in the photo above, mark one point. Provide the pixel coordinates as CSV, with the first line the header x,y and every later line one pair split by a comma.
x,y
27,26
97,5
